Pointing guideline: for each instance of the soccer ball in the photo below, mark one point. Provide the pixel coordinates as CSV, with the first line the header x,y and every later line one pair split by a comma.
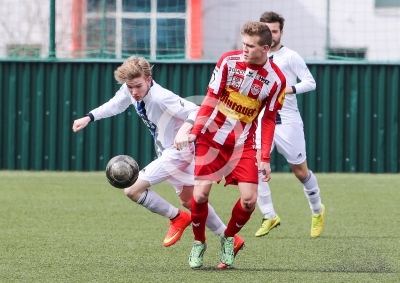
x,y
122,171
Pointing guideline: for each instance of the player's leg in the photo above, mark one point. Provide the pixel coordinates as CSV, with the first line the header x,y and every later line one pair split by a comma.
x,y
207,170
199,246
270,219
199,213
183,183
199,208
141,193
264,201
154,173
312,193
213,222
290,142
178,225
241,213
310,185
245,175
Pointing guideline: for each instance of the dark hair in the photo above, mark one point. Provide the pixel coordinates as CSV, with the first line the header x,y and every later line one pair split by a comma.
x,y
272,17
259,29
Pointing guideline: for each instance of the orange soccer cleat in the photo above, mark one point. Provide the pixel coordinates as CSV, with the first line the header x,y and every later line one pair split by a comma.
x,y
176,228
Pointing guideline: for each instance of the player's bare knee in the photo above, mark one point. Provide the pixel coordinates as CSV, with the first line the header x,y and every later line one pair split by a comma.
x,y
300,170
129,193
133,193
301,174
200,197
186,195
249,204
186,203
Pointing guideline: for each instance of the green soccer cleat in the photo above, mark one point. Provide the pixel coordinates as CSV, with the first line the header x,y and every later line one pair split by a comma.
x,y
227,250
267,225
317,223
238,244
197,253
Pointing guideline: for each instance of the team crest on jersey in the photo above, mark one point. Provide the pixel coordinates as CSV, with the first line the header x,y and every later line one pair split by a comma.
x,y
255,89
236,82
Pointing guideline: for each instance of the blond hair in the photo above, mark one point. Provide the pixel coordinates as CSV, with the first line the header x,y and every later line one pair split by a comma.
x,y
133,67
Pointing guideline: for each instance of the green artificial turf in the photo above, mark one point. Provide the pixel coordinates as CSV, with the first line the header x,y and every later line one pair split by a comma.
x,y
75,227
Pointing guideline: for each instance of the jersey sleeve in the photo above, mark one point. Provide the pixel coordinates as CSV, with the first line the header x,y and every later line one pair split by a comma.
x,y
116,105
207,107
219,76
268,120
300,69
277,94
267,134
214,89
178,107
258,130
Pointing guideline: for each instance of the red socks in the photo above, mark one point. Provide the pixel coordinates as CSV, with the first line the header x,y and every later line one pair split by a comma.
x,y
238,219
199,212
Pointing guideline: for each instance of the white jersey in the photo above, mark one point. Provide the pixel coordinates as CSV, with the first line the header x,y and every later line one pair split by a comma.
x,y
162,111
293,67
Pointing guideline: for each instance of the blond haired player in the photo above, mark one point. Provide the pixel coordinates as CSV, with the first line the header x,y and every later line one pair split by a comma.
x,y
167,117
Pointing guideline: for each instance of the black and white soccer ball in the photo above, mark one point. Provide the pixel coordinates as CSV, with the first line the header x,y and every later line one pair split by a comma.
x,y
122,171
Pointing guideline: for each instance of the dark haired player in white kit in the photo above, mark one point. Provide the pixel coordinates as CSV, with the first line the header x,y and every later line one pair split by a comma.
x,y
289,133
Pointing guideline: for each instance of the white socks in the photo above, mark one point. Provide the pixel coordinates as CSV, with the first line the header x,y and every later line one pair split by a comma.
x,y
312,192
264,199
214,223
155,203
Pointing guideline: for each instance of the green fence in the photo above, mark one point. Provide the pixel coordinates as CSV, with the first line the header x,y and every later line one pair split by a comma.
x,y
351,119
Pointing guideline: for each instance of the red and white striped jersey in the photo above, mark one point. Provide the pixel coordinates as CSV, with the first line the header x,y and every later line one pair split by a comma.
x,y
236,94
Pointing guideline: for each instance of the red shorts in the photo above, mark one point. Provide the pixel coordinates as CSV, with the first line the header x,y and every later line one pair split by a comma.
x,y
214,162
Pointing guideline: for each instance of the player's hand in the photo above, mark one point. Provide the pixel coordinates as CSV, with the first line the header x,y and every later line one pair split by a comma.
x,y
265,168
181,139
192,138
81,123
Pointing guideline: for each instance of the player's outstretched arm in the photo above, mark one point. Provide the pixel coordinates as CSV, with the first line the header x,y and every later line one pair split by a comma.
x,y
81,123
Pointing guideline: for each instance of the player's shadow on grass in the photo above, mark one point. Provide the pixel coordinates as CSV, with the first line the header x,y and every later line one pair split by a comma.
x,y
335,237
334,269
377,267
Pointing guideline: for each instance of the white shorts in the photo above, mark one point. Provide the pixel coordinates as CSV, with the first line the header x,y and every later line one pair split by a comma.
x,y
289,141
175,167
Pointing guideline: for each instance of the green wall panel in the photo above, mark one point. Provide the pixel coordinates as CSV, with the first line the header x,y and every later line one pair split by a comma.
x,y
351,120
